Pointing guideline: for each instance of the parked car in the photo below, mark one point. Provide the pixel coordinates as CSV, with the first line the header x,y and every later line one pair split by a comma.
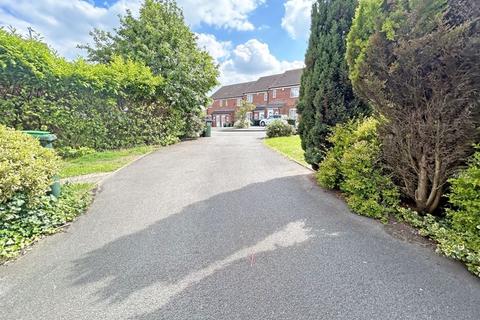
x,y
267,121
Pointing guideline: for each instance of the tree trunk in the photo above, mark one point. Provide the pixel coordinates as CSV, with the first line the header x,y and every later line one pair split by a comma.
x,y
422,187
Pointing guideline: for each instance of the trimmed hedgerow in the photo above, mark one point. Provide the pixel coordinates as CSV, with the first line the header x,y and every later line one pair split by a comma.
x,y
114,105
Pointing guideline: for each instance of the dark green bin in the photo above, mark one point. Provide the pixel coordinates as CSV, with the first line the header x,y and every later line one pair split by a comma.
x,y
208,128
46,140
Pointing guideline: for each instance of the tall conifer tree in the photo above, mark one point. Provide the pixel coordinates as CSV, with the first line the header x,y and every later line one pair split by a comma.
x,y
326,95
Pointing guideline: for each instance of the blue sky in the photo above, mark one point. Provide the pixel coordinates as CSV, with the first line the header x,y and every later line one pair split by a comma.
x,y
247,38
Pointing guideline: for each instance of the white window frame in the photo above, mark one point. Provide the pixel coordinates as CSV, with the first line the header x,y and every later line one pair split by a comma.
x,y
294,110
294,89
274,93
265,96
239,102
250,97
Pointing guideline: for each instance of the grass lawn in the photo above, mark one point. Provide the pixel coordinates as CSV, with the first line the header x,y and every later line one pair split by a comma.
x,y
104,161
288,146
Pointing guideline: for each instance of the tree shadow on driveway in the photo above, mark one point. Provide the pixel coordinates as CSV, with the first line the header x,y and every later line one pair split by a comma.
x,y
202,233
279,249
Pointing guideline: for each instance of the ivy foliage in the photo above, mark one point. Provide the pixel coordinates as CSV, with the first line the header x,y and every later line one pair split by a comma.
x,y
21,224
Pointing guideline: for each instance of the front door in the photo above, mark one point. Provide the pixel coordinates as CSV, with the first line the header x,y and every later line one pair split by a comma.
x,y
217,121
223,119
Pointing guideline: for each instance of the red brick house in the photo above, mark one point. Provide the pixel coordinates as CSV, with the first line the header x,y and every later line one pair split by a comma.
x,y
275,94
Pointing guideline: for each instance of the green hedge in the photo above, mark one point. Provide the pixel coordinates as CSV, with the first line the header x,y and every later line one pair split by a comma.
x,y
101,106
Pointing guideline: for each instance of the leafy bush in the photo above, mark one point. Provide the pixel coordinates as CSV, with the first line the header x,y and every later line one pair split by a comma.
x,y
353,165
329,174
407,59
463,239
70,153
21,224
25,166
278,128
454,242
194,124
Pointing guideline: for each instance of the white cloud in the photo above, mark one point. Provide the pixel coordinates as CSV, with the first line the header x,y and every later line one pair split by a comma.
x,y
63,24
296,20
251,60
66,23
246,62
217,49
229,14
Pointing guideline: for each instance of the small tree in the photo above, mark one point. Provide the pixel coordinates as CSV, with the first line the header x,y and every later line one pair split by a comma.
x,y
417,63
241,114
159,37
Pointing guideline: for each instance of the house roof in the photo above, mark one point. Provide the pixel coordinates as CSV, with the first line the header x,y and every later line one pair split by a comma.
x,y
232,91
263,83
288,78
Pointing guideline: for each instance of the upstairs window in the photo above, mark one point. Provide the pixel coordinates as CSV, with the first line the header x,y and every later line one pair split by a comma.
x,y
239,102
294,92
265,96
250,98
274,93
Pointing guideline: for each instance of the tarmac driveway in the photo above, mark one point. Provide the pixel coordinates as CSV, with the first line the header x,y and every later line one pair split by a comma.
x,y
224,228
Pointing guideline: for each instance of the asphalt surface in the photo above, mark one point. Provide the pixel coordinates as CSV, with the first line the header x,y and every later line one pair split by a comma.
x,y
224,228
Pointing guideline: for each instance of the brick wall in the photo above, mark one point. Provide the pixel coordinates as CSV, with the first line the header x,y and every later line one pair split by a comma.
x,y
258,98
282,95
219,108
